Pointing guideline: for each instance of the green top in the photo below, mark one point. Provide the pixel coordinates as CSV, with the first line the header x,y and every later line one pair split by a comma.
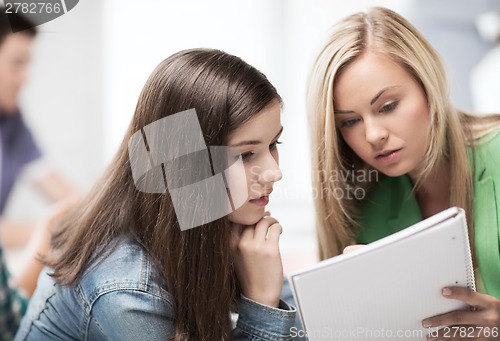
x,y
392,207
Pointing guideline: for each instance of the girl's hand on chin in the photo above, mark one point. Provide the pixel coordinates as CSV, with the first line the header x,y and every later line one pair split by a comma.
x,y
258,261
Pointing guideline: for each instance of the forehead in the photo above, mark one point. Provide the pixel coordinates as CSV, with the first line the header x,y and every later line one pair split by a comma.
x,y
264,123
16,43
367,75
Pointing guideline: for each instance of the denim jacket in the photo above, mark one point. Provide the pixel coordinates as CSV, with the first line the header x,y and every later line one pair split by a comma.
x,y
118,300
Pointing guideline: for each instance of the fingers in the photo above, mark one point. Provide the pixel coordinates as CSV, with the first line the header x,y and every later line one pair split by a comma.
x,y
458,317
258,261
274,232
258,231
262,227
247,232
468,296
352,248
474,323
276,228
268,228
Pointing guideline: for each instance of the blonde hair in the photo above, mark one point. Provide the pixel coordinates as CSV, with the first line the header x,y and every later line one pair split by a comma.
x,y
383,31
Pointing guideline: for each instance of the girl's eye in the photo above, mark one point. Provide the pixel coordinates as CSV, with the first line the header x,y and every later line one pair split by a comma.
x,y
247,156
274,145
349,123
389,107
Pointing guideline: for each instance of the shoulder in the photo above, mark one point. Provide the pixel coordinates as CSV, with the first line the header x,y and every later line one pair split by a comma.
x,y
117,299
488,141
15,124
487,155
18,143
125,314
126,271
122,295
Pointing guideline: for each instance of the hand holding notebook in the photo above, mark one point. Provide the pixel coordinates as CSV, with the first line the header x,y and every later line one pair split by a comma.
x,y
385,289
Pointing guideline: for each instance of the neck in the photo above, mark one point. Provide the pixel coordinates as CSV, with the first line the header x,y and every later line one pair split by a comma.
x,y
433,194
6,113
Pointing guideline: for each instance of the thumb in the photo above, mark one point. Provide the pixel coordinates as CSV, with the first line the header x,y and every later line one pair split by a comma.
x,y
352,248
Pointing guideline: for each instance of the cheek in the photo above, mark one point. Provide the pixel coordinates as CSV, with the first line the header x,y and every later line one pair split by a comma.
x,y
237,182
252,180
3,79
6,73
418,109
354,139
418,127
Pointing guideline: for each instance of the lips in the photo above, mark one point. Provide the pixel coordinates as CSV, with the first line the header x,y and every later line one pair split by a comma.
x,y
388,156
386,153
262,201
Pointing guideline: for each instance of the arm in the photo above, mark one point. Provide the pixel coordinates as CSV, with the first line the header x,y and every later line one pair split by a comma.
x,y
54,186
39,245
262,315
260,322
15,234
287,296
129,315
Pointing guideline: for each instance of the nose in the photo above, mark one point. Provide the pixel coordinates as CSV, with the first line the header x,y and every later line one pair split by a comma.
x,y
272,175
270,171
375,133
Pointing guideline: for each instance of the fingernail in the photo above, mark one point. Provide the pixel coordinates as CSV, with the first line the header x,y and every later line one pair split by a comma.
x,y
446,292
426,323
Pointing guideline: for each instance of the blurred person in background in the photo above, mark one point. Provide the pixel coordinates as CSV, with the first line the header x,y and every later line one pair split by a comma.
x,y
18,149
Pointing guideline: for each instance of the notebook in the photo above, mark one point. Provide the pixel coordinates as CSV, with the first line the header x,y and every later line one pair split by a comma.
x,y
384,290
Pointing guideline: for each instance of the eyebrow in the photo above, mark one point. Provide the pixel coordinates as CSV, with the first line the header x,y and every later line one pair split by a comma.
x,y
374,99
254,142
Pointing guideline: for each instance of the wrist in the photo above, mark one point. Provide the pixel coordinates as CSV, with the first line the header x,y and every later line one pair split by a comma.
x,y
267,300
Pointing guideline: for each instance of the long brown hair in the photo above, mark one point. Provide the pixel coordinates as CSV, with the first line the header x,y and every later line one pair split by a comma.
x,y
384,31
196,265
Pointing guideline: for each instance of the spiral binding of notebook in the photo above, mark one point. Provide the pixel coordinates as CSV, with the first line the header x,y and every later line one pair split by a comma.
x,y
471,282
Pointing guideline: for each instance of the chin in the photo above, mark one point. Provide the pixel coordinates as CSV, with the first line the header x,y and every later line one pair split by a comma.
x,y
244,217
396,171
393,174
8,109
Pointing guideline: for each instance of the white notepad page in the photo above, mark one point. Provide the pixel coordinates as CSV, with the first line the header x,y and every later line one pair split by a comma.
x,y
384,290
